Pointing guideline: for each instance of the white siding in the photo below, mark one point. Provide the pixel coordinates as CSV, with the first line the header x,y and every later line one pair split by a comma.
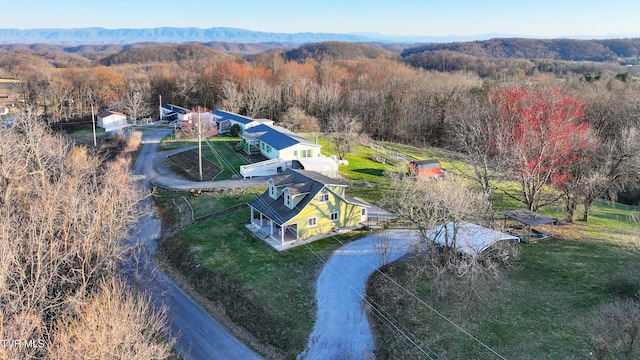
x,y
288,153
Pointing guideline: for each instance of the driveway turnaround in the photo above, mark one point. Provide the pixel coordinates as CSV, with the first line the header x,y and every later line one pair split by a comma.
x,y
342,329
198,336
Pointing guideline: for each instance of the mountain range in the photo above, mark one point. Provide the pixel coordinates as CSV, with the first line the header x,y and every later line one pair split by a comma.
x,y
102,36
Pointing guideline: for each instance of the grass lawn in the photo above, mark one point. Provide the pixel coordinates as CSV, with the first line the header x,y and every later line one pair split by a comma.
x,y
540,308
280,285
364,175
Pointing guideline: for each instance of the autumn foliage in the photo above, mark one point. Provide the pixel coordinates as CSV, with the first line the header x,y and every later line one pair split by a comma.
x,y
539,134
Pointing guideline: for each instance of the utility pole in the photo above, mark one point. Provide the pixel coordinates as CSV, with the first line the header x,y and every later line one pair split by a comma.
x,y
160,96
93,122
199,145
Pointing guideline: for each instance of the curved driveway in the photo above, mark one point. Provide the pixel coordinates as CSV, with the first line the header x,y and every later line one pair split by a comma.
x,y
198,336
342,330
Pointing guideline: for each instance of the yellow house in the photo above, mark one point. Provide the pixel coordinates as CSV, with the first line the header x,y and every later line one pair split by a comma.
x,y
300,204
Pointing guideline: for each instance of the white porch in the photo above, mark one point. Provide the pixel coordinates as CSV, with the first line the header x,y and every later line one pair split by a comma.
x,y
269,230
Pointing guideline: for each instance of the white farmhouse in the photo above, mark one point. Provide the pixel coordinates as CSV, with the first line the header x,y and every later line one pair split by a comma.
x,y
277,142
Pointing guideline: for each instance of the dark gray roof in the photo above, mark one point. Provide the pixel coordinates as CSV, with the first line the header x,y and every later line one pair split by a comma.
x,y
528,217
299,181
108,113
175,109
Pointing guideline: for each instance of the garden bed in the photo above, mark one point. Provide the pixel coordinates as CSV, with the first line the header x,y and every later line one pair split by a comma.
x,y
186,165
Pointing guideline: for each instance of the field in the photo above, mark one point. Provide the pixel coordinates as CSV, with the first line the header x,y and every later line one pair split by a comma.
x,y
537,311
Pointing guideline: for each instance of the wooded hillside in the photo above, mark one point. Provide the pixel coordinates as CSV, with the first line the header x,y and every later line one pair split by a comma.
x,y
557,49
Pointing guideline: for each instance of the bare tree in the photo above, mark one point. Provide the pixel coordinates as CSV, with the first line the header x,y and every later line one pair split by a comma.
x,y
258,97
232,99
296,120
345,130
113,324
473,134
384,247
438,209
63,217
135,105
616,159
326,103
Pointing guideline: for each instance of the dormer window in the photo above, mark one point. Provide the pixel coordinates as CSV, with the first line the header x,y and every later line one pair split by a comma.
x,y
323,198
272,191
287,200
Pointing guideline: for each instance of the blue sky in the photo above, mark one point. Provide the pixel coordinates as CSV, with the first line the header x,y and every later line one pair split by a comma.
x,y
541,18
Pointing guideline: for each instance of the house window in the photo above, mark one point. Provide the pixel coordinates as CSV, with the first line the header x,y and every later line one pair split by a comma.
x,y
312,221
363,212
272,191
334,216
322,198
295,154
287,200
307,153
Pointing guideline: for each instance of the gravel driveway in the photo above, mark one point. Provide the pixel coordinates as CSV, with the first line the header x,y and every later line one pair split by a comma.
x,y
342,329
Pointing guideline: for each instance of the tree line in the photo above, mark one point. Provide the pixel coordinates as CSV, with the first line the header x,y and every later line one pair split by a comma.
x,y
385,98
64,217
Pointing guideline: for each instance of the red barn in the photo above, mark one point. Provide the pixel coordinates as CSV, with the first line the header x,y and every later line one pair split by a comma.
x,y
425,168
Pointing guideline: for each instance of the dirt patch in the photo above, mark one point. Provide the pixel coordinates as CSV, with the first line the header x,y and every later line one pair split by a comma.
x,y
186,165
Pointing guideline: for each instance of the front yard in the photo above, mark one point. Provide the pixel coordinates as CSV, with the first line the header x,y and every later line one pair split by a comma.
x,y
218,150
270,294
538,310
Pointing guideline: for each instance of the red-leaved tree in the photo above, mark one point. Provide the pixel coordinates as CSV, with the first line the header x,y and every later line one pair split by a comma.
x,y
539,134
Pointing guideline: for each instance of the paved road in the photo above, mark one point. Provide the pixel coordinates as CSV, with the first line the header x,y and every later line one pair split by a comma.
x,y
198,335
150,169
342,329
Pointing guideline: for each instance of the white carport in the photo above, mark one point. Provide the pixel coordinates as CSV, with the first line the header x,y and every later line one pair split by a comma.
x,y
470,239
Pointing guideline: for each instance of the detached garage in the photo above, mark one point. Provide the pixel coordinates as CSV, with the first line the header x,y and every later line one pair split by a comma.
x,y
112,120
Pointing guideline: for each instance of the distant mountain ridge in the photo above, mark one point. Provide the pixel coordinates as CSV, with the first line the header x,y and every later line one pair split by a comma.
x,y
102,36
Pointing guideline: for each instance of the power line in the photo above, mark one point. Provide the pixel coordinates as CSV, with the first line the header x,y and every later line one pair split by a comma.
x,y
376,269
376,307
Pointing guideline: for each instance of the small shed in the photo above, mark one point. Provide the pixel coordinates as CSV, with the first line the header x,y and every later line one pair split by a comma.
x,y
530,219
425,168
112,120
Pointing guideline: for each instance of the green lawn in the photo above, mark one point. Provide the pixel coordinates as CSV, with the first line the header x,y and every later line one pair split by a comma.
x,y
537,311
278,286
